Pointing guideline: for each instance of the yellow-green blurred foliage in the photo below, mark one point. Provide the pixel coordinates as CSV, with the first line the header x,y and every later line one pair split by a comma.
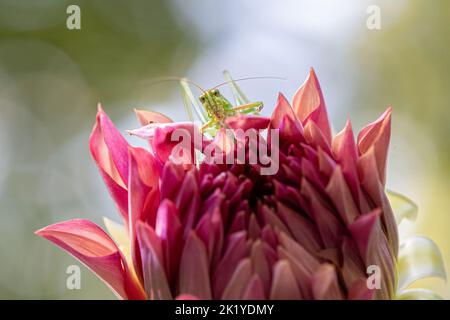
x,y
407,65
51,80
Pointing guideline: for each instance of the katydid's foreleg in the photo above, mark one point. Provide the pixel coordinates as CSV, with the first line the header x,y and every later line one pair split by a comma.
x,y
249,107
206,125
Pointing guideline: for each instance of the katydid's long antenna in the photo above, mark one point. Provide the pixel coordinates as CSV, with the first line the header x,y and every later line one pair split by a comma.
x,y
165,79
249,78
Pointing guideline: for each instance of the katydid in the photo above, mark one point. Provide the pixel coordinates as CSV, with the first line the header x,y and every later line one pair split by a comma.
x,y
214,108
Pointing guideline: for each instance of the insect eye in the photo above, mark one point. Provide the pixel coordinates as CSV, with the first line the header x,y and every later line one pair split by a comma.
x,y
216,93
202,99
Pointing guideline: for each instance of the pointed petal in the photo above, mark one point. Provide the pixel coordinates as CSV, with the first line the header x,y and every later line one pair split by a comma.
x,y
169,229
377,135
237,284
344,150
93,247
375,250
284,119
194,269
254,290
309,104
325,284
155,279
284,284
146,117
340,194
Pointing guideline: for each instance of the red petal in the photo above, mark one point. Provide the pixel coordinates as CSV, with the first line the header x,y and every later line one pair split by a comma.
x,y
110,152
93,247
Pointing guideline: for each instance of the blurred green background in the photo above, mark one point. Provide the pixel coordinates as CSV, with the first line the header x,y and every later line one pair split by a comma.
x,y
51,79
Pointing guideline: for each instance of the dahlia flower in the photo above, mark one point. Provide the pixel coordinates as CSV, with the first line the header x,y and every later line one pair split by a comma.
x,y
206,230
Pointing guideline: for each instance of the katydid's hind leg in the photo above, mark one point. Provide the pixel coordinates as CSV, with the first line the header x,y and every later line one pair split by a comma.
x,y
238,95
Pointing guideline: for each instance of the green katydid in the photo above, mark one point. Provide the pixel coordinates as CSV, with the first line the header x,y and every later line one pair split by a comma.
x,y
216,108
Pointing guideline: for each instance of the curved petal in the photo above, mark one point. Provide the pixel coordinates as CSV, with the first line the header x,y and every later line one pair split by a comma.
x,y
110,152
419,257
93,247
418,294
403,207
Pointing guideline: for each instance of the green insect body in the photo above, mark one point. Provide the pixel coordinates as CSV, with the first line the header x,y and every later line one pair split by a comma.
x,y
215,108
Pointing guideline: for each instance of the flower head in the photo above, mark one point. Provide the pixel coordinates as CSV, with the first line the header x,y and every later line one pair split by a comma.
x,y
226,231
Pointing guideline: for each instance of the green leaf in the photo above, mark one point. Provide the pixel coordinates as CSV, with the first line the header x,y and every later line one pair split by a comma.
x,y
418,294
419,257
402,206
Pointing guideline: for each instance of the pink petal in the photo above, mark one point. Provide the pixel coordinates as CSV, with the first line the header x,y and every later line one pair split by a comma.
x,y
344,150
315,137
261,266
194,269
169,229
363,230
155,279
106,141
341,196
93,247
325,284
138,193
309,104
186,297
284,119
237,284
254,290
246,122
110,152
353,268
284,284
359,291
301,228
330,228
146,117
236,249
377,135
